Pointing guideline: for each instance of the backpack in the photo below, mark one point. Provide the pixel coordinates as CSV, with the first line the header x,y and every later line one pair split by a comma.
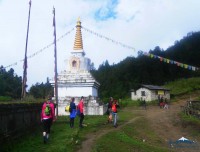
x,y
110,104
47,110
68,109
114,108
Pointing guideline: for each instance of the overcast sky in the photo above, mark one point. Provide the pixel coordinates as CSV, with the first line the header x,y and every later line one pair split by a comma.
x,y
141,24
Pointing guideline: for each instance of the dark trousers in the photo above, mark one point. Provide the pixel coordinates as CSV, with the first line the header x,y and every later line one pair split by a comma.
x,y
71,123
47,125
81,120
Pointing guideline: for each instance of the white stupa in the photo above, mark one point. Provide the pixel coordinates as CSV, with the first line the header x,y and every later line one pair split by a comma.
x,y
76,80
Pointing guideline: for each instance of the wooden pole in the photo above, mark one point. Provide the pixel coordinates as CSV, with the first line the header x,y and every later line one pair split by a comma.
x,y
55,68
25,58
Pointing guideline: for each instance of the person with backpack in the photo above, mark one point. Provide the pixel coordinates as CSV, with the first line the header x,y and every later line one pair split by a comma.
x,y
80,109
109,111
47,117
115,105
72,110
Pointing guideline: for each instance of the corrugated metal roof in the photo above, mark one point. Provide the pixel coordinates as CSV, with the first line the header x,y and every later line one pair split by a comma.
x,y
153,87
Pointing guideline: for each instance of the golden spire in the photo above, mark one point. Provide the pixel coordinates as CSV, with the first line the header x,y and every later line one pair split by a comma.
x,y
78,44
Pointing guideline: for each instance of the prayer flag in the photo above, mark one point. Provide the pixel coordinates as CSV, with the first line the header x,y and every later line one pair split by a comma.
x,y
185,66
193,68
189,67
167,60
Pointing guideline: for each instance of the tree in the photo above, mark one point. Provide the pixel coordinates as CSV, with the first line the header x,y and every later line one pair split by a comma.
x,y
10,83
118,79
41,90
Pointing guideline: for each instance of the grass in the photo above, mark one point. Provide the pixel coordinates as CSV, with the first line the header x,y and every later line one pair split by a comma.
x,y
62,137
5,98
27,100
183,86
135,136
189,120
124,141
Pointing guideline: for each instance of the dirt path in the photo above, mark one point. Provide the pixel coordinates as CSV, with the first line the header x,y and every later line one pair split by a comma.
x,y
165,123
90,138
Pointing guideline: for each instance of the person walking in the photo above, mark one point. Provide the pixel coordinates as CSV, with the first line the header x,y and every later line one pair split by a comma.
x,y
47,117
115,105
109,110
161,103
80,107
166,104
144,104
72,113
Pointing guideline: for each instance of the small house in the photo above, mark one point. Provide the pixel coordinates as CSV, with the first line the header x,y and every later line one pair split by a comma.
x,y
150,93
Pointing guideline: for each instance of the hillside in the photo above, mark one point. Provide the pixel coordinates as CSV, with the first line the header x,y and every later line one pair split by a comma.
x,y
117,80
148,129
183,86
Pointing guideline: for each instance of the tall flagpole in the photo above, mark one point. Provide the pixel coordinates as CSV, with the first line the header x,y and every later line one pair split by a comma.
x,y
25,58
55,68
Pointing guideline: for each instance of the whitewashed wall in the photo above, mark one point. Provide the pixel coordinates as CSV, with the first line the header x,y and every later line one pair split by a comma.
x,y
138,94
149,95
77,91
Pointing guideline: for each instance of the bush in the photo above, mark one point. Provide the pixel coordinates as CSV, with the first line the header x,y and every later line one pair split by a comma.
x,y
189,120
29,98
128,102
5,98
183,86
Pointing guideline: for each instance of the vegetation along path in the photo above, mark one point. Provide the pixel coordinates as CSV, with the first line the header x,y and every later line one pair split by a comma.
x,y
164,122
138,130
90,138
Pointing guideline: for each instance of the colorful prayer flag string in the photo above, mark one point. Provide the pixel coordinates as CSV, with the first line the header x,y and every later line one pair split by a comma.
x,y
169,61
41,50
109,39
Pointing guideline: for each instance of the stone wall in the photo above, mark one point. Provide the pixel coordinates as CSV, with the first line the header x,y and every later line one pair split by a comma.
x,y
95,110
92,105
16,119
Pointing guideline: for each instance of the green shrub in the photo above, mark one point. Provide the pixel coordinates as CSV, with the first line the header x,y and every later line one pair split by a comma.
x,y
183,86
5,98
29,98
129,102
189,120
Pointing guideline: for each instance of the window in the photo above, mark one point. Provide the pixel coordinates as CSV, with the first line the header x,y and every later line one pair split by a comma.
x,y
161,92
142,93
74,64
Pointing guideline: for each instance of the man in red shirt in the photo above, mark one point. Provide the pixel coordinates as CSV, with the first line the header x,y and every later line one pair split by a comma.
x,y
81,109
115,105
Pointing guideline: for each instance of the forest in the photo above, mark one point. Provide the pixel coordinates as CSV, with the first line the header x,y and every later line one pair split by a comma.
x,y
118,79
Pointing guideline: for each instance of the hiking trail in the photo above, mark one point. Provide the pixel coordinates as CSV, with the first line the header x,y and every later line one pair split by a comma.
x,y
165,122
